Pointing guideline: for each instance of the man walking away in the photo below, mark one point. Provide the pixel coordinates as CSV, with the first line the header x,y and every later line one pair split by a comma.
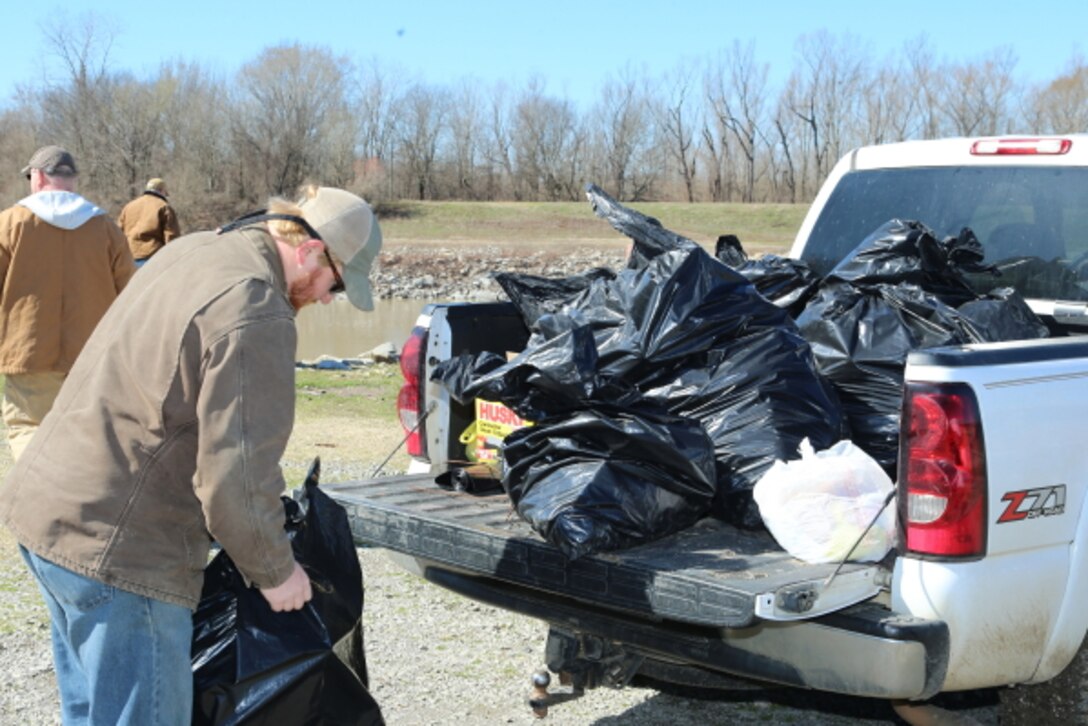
x,y
62,262
149,222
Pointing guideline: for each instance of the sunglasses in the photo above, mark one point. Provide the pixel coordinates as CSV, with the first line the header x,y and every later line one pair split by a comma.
x,y
337,286
263,214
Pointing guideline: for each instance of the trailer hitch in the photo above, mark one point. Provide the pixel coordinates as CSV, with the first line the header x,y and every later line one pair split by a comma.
x,y
582,661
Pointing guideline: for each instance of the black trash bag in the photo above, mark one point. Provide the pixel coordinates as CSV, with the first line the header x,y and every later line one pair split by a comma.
x,y
1033,277
549,378
255,666
699,340
1002,314
730,251
601,468
786,282
860,338
649,237
679,307
536,296
901,290
757,397
908,252
607,477
693,337
475,479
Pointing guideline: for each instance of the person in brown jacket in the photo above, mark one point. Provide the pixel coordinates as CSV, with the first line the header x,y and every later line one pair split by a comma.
x,y
62,263
149,222
167,435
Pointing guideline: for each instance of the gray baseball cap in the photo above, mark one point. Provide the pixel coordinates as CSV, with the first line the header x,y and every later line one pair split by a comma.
x,y
53,160
349,228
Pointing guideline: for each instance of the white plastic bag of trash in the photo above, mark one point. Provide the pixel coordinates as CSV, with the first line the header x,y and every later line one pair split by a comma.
x,y
817,506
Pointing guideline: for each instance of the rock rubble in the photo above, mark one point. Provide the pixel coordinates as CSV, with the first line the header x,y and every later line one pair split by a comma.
x,y
464,274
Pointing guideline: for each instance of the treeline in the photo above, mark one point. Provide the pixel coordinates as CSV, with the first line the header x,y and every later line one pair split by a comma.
x,y
710,129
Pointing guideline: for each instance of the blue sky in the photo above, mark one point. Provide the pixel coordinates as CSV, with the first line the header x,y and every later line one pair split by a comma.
x,y
572,45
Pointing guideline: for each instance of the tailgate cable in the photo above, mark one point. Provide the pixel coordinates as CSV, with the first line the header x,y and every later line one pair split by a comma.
x,y
419,422
887,501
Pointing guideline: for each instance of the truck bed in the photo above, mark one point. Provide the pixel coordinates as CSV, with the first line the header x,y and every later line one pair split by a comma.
x,y
711,574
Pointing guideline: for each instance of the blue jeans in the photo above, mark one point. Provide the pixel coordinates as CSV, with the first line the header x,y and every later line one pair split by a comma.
x,y
120,658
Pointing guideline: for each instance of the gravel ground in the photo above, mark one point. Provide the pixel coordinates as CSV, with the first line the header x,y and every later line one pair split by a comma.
x,y
437,658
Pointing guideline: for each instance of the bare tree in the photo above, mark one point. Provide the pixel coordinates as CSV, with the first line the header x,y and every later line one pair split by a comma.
x,y
465,132
298,113
737,93
1061,106
125,129
975,96
924,81
79,100
548,143
498,144
422,122
716,151
289,106
194,152
677,120
783,160
132,131
377,111
624,133
824,95
81,45
889,107
18,126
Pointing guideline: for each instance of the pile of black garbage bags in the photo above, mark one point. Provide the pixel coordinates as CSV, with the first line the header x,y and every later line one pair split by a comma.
x,y
662,393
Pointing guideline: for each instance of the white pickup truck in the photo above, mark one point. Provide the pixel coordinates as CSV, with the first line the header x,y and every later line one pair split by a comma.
x,y
988,586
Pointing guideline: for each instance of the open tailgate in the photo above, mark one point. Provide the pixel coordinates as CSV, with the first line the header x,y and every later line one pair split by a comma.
x,y
711,574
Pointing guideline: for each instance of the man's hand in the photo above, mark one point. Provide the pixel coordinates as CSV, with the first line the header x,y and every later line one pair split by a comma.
x,y
292,594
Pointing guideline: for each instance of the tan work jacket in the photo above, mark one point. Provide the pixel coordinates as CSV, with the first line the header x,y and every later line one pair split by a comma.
x,y
149,222
170,427
55,285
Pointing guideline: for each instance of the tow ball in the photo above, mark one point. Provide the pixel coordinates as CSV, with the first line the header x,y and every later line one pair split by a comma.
x,y
540,698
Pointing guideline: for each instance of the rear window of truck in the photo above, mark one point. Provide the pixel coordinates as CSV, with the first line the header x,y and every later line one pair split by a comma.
x,y
1034,215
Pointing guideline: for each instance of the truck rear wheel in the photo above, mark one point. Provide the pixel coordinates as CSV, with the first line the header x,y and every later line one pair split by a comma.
x,y
1061,700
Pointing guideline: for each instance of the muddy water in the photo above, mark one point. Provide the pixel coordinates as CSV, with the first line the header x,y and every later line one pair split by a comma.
x,y
339,330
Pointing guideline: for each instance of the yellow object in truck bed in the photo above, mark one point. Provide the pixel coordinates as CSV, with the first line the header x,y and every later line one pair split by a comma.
x,y
494,422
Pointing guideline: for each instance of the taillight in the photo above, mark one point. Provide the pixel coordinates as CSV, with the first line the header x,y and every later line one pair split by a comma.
x,y
942,472
1001,147
410,398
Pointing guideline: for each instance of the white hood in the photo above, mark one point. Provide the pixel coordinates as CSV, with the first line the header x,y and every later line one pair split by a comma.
x,y
66,210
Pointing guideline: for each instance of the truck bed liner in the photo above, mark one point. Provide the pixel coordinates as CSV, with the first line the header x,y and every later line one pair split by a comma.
x,y
710,574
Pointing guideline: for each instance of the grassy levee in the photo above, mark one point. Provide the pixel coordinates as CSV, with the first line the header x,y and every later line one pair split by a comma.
x,y
760,227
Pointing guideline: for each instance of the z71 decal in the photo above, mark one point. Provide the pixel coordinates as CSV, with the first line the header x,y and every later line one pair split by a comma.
x,y
1032,503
